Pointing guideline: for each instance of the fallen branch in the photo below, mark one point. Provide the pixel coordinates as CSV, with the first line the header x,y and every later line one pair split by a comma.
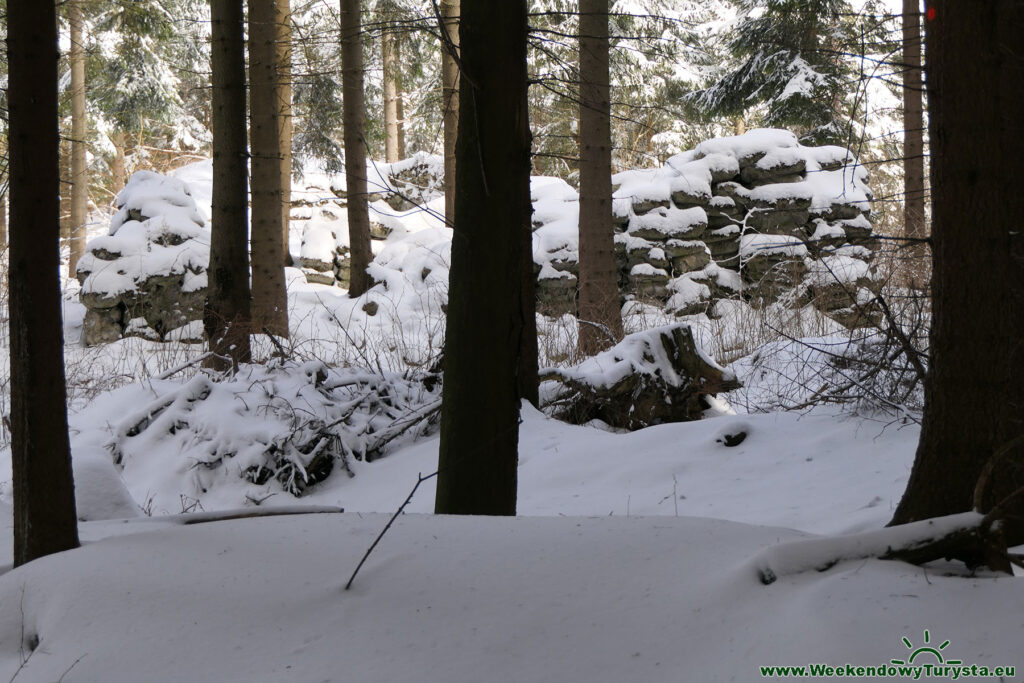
x,y
205,517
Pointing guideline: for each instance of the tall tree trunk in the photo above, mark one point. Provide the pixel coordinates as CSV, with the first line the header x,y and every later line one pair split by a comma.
x,y
79,172
392,87
354,121
450,99
227,316
44,497
283,24
269,298
974,389
600,308
3,220
913,123
486,311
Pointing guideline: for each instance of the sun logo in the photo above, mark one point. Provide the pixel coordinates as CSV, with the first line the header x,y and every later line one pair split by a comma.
x,y
926,648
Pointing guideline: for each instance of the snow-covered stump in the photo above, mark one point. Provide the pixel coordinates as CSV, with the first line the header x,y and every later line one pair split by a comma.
x,y
652,377
147,277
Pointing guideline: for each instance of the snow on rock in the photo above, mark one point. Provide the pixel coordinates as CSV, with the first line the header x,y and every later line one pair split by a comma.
x,y
695,211
147,276
753,245
760,183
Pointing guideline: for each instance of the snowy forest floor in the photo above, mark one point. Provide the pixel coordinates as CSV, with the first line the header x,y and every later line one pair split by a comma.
x,y
633,558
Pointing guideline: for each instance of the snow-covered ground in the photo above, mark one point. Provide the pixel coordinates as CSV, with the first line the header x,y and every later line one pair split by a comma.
x,y
635,556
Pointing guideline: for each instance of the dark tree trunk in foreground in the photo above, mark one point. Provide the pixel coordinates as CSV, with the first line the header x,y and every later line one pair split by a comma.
x,y
974,390
913,123
79,173
450,99
599,278
486,311
227,315
44,494
269,298
354,122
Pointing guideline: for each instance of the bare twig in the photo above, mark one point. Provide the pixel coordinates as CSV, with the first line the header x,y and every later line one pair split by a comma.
x,y
387,526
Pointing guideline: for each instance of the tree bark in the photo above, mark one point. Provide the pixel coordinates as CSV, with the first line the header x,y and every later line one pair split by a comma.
x,y
913,123
400,110
974,389
598,275
486,311
118,172
392,84
354,122
283,44
450,99
227,315
44,498
79,172
3,220
269,298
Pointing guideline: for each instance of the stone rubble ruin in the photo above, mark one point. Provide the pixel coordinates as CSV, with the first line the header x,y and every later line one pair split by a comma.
x,y
756,217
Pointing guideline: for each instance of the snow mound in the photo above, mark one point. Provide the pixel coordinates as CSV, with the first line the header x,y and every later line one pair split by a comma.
x,y
275,429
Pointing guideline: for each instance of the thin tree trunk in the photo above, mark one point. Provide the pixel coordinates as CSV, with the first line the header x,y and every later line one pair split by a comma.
x,y
974,389
66,185
486,312
354,122
79,172
450,99
389,52
913,123
599,276
400,107
44,498
269,298
3,220
118,171
283,23
227,316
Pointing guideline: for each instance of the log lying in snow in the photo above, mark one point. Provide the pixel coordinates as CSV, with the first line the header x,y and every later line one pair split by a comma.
x,y
969,536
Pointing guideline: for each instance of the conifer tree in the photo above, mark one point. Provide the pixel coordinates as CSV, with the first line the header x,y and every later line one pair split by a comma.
x,y
489,314
354,114
227,318
789,62
599,306
44,500
973,423
266,102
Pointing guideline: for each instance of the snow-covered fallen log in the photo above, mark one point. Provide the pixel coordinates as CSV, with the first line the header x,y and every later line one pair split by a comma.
x,y
969,536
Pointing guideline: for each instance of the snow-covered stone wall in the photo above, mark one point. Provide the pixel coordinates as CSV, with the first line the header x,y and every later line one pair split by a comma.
x,y
757,216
